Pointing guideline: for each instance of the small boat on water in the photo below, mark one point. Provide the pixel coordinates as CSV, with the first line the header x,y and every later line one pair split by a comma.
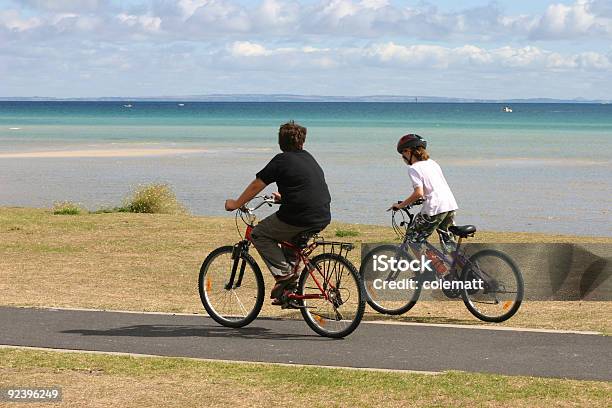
x,y
129,105
181,104
507,109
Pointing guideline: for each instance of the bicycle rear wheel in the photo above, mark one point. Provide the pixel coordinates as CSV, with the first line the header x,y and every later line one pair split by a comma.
x,y
381,296
340,313
231,288
497,286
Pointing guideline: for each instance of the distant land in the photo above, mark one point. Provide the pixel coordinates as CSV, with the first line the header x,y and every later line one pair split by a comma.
x,y
305,98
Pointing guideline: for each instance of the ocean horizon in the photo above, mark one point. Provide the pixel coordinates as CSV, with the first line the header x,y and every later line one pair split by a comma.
x,y
541,168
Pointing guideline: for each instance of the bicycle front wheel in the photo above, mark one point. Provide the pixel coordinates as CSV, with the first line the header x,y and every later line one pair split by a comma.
x,y
389,291
231,288
493,286
334,300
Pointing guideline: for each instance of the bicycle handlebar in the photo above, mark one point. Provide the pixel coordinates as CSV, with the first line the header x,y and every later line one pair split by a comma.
x,y
266,200
406,208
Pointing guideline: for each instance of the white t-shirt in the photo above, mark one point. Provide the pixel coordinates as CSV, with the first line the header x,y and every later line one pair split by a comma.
x,y
438,195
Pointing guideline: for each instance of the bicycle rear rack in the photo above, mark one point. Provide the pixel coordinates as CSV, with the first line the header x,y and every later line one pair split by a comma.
x,y
335,247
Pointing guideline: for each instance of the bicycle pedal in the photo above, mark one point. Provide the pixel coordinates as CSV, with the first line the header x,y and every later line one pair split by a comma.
x,y
291,305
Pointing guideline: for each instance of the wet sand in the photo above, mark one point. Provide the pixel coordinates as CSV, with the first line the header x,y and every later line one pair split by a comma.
x,y
99,153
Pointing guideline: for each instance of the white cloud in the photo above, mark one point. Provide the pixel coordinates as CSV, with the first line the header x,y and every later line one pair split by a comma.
x,y
247,49
593,60
146,22
567,22
12,20
423,56
374,4
407,56
309,49
357,19
338,9
470,57
278,13
190,6
249,66
219,16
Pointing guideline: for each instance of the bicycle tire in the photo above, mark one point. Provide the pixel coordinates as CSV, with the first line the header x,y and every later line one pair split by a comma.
x,y
205,288
468,294
377,304
315,320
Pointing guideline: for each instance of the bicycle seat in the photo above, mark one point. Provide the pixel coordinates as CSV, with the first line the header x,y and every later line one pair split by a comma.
x,y
301,239
462,230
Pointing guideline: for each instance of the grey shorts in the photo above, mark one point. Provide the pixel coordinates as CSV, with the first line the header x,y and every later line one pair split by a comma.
x,y
266,237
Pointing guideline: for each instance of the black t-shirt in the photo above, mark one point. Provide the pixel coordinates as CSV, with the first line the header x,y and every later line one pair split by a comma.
x,y
304,195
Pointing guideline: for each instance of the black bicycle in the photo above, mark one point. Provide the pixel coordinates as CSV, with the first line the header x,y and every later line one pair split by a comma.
x,y
489,281
329,292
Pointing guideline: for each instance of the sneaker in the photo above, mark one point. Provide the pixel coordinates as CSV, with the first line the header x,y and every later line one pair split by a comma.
x,y
277,302
281,283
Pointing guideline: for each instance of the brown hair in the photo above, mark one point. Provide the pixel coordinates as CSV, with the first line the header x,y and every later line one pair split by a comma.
x,y
291,137
420,153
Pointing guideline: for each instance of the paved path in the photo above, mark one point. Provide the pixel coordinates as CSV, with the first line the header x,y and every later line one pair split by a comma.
x,y
387,346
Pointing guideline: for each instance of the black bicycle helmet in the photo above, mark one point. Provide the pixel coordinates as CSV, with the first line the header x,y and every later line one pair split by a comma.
x,y
410,141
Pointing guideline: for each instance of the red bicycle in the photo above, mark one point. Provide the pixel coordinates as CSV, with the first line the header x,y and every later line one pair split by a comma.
x,y
329,292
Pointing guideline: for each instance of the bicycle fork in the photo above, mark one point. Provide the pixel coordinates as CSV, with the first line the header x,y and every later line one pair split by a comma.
x,y
239,249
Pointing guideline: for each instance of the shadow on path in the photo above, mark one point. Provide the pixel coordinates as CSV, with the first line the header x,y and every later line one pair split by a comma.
x,y
147,330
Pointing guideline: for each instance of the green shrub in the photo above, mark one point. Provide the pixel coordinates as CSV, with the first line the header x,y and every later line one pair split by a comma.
x,y
153,199
346,233
66,208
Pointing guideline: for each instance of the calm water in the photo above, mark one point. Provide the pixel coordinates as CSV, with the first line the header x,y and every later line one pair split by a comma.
x,y
544,167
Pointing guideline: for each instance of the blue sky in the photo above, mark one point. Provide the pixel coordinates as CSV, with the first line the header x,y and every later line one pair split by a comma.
x,y
473,49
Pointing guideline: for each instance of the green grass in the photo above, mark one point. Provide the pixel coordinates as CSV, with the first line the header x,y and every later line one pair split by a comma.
x,y
110,210
341,233
67,208
261,383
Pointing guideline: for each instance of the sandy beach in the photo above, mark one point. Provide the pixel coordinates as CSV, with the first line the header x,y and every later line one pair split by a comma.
x,y
99,153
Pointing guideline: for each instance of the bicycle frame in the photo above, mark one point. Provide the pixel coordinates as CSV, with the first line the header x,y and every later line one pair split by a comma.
x,y
302,255
455,259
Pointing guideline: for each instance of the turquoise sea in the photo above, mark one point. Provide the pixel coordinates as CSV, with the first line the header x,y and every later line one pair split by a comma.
x,y
543,167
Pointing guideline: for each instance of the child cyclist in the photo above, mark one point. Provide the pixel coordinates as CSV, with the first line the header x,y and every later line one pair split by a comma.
x,y
304,199
429,184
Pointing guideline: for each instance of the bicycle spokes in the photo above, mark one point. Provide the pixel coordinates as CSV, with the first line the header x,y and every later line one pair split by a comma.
x,y
230,288
331,294
495,288
379,280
